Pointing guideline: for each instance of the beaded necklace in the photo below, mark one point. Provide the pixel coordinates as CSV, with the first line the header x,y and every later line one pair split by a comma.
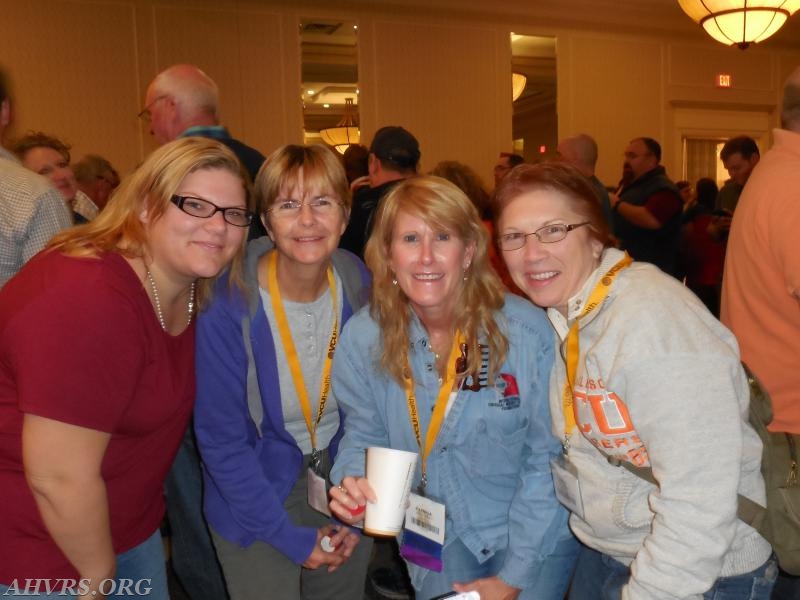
x,y
157,299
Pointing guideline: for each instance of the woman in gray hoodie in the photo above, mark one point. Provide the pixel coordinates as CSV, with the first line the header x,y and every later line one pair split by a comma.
x,y
650,378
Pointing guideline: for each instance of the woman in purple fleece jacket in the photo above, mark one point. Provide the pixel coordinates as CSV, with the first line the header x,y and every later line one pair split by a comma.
x,y
267,426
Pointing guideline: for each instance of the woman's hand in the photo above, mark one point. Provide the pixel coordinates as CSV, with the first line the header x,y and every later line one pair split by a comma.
x,y
349,499
341,539
490,588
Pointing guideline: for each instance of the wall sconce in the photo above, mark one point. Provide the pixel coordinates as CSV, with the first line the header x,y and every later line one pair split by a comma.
x,y
518,81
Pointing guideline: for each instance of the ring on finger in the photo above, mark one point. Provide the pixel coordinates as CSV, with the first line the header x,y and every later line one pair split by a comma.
x,y
341,489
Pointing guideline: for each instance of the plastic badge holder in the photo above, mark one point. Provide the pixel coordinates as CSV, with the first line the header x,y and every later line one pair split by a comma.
x,y
457,596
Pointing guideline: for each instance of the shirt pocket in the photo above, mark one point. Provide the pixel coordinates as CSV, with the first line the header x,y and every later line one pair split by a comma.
x,y
495,451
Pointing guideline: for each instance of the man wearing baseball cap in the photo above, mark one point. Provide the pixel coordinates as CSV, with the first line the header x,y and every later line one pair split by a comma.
x,y
393,156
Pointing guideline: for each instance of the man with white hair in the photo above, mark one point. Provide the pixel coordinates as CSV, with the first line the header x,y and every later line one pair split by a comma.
x,y
761,284
183,101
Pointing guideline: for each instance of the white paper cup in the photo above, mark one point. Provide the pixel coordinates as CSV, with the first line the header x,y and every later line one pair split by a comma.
x,y
390,473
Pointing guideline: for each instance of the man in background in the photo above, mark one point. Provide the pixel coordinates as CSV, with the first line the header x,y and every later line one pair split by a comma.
x,y
647,208
581,152
183,101
96,178
739,155
32,211
505,162
761,283
393,156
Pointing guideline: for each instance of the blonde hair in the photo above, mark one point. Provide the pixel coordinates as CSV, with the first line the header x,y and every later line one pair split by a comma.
x,y
118,228
321,169
444,207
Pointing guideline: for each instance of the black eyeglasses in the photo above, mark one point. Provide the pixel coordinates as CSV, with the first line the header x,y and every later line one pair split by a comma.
x,y
203,209
546,235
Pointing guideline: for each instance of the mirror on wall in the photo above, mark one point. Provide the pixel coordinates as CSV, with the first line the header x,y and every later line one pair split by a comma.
x,y
535,120
329,81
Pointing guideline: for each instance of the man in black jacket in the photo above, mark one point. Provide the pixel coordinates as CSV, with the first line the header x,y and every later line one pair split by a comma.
x,y
393,156
647,207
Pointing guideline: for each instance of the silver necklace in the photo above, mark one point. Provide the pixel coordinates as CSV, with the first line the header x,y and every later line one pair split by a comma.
x,y
157,299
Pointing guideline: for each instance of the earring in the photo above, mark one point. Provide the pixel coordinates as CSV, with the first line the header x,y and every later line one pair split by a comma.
x,y
394,281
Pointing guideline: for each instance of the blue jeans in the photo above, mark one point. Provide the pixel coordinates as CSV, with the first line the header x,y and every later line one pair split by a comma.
x,y
600,576
140,573
460,566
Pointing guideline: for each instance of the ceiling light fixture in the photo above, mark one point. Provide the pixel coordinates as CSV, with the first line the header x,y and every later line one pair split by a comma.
x,y
346,131
518,81
740,22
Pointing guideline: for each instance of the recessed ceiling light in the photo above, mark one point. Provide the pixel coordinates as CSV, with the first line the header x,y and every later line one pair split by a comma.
x,y
326,105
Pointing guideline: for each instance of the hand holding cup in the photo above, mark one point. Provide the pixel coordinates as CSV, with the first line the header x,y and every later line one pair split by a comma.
x,y
349,499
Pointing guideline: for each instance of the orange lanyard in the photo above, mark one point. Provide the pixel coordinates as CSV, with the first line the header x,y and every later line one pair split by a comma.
x,y
291,351
437,418
596,298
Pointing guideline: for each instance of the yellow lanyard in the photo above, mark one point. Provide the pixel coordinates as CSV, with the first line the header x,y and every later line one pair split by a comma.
x,y
596,298
291,352
438,410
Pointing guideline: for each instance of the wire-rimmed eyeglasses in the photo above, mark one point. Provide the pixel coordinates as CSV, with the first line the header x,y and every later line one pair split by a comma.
x,y
144,114
289,208
548,234
203,209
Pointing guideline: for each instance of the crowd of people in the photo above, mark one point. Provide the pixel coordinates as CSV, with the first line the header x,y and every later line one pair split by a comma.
x,y
220,336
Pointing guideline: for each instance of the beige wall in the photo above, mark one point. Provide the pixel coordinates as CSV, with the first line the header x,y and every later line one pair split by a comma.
x,y
80,68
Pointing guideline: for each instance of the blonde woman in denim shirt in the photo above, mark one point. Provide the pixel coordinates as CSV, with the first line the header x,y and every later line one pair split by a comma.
x,y
434,298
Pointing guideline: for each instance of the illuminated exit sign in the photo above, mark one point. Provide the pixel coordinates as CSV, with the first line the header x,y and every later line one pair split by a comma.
x,y
724,80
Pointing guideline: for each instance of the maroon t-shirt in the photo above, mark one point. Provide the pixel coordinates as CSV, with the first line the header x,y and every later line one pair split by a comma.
x,y
80,343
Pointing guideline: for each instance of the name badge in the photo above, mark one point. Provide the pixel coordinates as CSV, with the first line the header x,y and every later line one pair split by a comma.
x,y
423,535
568,488
317,491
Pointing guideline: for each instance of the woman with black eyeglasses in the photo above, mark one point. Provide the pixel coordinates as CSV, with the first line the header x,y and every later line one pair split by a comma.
x,y
650,401
446,365
97,379
267,425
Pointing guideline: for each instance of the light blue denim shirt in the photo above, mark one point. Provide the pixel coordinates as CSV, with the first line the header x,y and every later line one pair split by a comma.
x,y
490,465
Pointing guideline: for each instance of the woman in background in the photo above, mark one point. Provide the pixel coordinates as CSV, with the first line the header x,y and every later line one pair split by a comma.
x,y
704,237
48,156
467,180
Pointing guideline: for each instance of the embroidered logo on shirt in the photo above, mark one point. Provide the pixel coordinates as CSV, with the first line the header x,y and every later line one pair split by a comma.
x,y
604,420
506,384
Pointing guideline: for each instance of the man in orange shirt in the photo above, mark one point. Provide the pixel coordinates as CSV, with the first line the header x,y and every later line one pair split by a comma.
x,y
761,284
